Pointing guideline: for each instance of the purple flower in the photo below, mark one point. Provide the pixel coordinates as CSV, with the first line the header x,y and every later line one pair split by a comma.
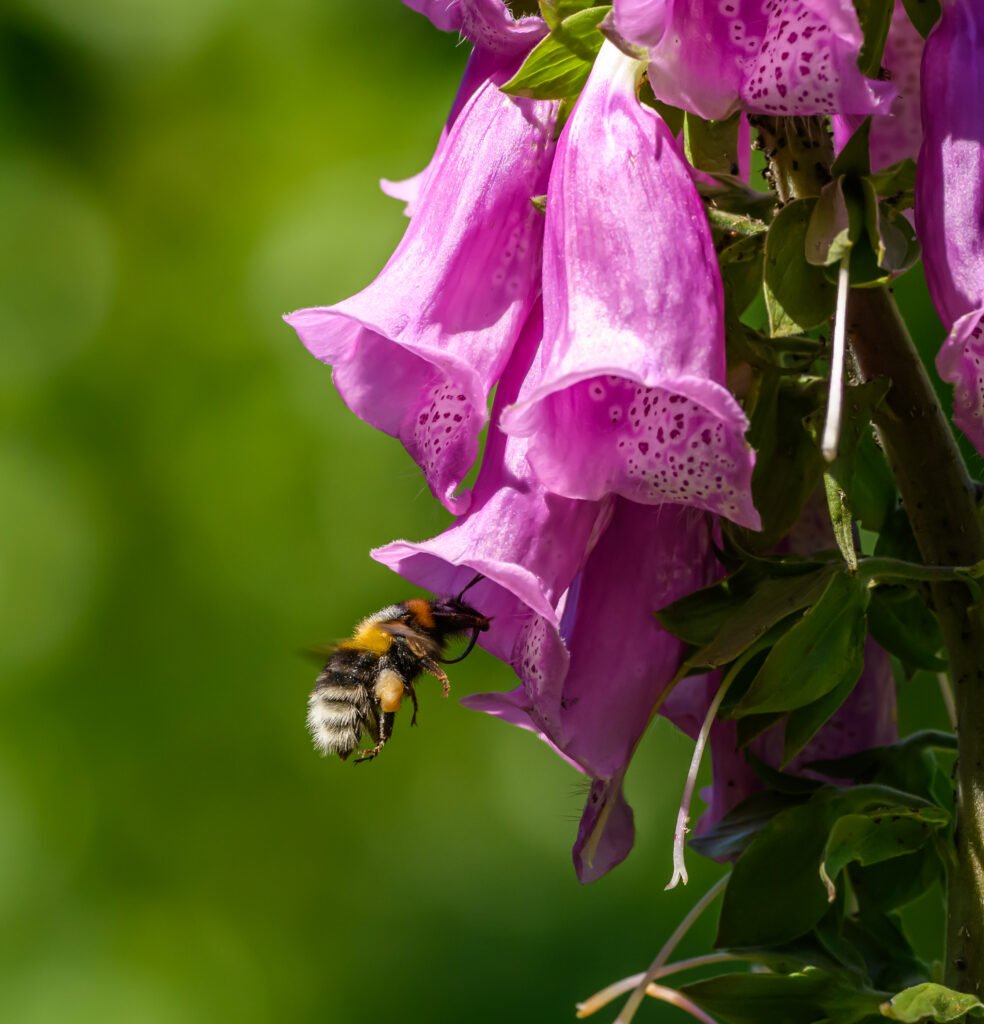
x,y
499,41
418,351
571,587
897,133
950,201
631,400
787,57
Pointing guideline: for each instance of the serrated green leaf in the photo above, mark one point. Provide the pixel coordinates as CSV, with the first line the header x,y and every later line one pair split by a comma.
x,y
815,655
923,14
798,296
875,17
712,146
558,66
931,1002
904,626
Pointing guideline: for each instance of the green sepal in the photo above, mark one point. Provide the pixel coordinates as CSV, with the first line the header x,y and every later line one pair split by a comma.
x,y
923,14
931,1002
875,17
900,621
555,11
854,160
896,184
712,146
798,295
817,655
804,997
558,66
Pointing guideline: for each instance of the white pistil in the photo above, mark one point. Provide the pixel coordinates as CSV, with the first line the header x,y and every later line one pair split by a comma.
x,y
635,1000
835,400
683,815
679,1000
617,988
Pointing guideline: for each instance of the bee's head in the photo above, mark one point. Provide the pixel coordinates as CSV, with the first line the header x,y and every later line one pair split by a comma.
x,y
445,617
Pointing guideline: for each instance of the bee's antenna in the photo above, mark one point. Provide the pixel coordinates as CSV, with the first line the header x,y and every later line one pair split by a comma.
x,y
477,579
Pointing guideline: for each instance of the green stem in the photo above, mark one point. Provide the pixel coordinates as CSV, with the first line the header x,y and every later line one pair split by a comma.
x,y
940,502
882,570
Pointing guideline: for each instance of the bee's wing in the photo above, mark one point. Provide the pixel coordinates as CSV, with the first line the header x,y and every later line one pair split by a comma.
x,y
319,653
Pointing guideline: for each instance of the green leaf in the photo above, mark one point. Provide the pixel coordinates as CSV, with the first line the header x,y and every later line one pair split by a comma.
x,y
732,834
558,66
798,296
872,489
834,227
875,17
805,722
805,997
878,835
841,520
854,160
889,959
931,1002
788,466
775,893
904,626
896,184
894,883
742,268
923,14
712,146
817,654
771,602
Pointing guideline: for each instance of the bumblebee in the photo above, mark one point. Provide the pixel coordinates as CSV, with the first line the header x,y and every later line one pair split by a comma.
x,y
366,677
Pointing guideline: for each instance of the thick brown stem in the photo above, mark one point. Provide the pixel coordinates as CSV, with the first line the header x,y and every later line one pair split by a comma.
x,y
940,502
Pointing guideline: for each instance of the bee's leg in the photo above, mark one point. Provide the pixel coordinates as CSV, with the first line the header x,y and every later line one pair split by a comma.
x,y
386,720
413,700
430,666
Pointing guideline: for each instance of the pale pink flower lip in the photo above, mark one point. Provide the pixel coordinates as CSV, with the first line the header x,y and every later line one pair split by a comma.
x,y
632,399
950,201
417,353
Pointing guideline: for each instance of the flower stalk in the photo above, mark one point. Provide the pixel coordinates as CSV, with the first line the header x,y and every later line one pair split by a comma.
x,y
939,499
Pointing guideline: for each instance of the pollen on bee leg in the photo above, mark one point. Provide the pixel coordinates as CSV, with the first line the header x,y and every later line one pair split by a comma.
x,y
389,690
432,668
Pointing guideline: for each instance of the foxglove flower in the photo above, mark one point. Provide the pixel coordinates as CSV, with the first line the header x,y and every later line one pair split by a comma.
x,y
631,400
417,353
897,133
571,586
950,201
499,40
784,57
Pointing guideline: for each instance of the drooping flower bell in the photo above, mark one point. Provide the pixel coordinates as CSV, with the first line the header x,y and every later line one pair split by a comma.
x,y
631,399
570,586
782,57
417,353
950,201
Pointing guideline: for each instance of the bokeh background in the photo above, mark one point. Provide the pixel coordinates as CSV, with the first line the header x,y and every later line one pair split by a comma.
x,y
186,505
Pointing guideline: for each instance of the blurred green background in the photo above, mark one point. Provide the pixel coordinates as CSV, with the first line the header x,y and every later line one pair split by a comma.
x,y
187,504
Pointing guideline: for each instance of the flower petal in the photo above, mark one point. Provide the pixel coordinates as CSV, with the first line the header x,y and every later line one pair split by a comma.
x,y
417,352
632,399
606,833
487,23
788,57
950,200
